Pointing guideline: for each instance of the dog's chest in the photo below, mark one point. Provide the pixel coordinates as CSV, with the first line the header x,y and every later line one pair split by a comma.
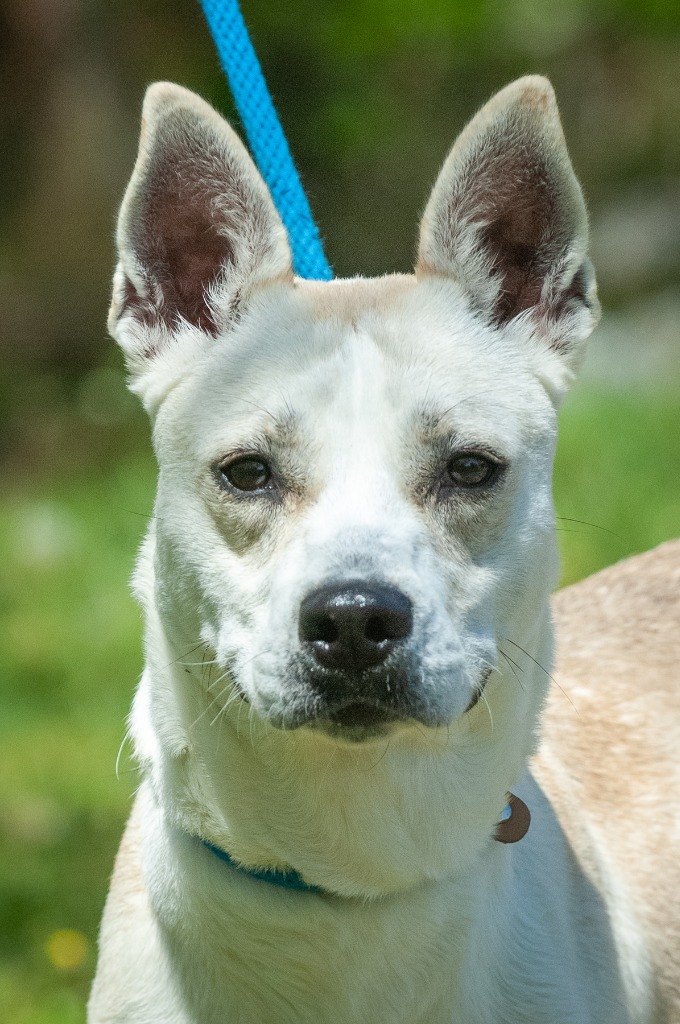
x,y
267,954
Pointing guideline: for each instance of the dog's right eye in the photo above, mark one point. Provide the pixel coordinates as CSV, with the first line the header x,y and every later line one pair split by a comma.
x,y
246,473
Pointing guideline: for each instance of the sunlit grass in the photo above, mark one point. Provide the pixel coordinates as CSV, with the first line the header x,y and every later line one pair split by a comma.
x,y
70,646
617,468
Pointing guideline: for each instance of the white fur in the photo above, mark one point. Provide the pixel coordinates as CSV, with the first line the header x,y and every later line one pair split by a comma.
x,y
424,917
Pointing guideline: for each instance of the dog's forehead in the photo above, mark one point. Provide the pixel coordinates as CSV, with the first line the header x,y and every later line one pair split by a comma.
x,y
390,351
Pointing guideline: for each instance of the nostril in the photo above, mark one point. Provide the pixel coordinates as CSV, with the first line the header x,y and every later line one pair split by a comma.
x,y
393,623
374,629
316,628
377,630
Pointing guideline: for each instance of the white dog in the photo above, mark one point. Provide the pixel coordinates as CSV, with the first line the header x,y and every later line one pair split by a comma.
x,y
347,622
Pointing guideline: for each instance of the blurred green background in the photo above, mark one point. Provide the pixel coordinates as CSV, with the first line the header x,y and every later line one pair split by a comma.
x,y
371,95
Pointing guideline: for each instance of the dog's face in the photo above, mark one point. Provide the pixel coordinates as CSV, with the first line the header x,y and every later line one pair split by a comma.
x,y
355,500
354,508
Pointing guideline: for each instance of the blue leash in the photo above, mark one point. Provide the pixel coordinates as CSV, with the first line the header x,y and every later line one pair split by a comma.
x,y
265,135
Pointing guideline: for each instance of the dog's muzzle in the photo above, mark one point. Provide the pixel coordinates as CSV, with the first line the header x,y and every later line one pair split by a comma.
x,y
354,635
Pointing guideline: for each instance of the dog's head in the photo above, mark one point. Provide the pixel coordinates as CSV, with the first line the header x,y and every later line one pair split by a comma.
x,y
354,509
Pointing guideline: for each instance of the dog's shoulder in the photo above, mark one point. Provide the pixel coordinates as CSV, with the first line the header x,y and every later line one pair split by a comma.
x,y
616,675
609,755
622,607
131,975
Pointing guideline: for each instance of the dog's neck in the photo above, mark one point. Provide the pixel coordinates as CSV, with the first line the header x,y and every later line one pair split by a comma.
x,y
512,826
358,820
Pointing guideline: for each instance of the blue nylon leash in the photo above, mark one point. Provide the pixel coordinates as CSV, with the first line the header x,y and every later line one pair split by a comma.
x,y
265,135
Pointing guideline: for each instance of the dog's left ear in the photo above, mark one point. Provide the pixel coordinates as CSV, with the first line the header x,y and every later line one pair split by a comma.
x,y
507,220
198,233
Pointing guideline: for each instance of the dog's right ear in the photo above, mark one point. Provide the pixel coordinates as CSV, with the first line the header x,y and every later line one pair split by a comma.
x,y
507,221
197,232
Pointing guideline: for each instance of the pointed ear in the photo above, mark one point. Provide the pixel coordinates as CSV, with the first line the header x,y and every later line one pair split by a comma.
x,y
197,229
507,220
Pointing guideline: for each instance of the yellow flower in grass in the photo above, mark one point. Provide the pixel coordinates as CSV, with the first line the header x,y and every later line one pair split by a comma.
x,y
67,949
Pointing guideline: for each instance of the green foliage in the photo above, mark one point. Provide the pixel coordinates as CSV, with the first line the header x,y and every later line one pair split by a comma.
x,y
70,647
617,470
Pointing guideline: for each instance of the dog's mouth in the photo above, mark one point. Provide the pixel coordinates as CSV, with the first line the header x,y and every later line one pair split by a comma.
x,y
372,718
358,718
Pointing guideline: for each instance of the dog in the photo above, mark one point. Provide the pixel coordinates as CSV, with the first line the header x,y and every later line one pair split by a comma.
x,y
348,631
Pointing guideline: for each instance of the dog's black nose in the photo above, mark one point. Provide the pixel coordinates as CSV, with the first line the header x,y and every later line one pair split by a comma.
x,y
354,625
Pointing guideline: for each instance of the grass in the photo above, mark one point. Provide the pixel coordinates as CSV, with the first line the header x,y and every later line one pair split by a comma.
x,y
67,557
617,468
70,648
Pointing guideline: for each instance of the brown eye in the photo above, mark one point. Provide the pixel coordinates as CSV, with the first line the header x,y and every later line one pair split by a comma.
x,y
246,474
470,470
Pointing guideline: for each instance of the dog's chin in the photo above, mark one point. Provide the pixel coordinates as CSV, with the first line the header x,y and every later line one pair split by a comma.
x,y
352,722
359,722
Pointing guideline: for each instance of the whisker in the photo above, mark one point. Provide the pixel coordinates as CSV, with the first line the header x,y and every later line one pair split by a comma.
x,y
257,408
181,658
374,766
238,720
220,711
219,731
258,654
582,522
513,666
236,694
251,710
466,398
544,669
209,707
488,708
511,660
233,696
214,700
144,515
126,737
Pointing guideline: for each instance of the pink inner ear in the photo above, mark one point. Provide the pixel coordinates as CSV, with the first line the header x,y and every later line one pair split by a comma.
x,y
189,254
180,236
521,231
515,262
507,212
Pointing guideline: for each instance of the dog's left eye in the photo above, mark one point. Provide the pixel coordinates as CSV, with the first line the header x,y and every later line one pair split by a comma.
x,y
247,473
471,470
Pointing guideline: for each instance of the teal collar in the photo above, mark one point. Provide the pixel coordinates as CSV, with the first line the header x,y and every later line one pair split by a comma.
x,y
512,826
288,879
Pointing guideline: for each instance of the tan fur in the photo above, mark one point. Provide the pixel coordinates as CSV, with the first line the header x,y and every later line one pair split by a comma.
x,y
612,740
368,294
